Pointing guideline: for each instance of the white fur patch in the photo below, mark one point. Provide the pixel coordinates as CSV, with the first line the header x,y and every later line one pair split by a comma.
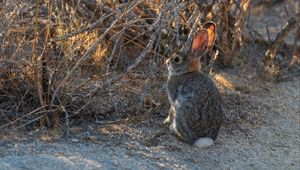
x,y
173,127
174,130
204,142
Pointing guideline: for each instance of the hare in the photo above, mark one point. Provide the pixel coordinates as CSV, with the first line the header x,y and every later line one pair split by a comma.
x,y
196,107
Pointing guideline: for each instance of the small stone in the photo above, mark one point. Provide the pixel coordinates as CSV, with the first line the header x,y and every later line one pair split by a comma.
x,y
75,140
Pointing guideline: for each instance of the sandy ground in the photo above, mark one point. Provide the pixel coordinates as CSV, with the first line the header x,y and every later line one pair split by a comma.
x,y
261,132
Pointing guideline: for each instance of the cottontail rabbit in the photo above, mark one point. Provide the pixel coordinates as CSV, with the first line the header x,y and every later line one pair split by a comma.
x,y
196,112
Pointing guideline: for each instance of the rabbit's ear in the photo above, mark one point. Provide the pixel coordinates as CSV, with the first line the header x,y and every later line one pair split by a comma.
x,y
200,43
211,28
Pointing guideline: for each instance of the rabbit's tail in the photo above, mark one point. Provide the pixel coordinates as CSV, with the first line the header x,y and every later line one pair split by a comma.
x,y
204,142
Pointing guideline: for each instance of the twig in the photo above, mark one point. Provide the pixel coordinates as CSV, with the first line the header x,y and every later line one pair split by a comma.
x,y
28,114
110,122
286,11
244,8
295,55
87,29
189,40
270,68
176,22
67,115
268,31
35,58
279,38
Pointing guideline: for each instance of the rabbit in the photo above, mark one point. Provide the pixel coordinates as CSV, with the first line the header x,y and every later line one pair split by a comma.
x,y
196,113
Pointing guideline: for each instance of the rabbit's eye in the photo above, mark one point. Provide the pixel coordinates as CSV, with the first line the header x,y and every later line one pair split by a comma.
x,y
177,59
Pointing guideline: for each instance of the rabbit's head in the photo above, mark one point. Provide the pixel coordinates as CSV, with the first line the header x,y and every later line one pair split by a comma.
x,y
186,61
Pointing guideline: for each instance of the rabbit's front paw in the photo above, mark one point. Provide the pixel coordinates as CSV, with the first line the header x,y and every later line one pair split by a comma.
x,y
173,128
167,120
170,117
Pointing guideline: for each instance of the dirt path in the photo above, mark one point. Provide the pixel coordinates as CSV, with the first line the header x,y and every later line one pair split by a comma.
x,y
261,132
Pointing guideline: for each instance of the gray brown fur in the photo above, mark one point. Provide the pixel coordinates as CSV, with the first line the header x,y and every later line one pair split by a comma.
x,y
196,106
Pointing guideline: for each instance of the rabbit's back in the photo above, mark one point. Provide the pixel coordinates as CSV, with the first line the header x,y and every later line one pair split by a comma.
x,y
197,105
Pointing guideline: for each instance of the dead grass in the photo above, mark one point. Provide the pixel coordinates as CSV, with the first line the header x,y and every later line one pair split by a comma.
x,y
62,61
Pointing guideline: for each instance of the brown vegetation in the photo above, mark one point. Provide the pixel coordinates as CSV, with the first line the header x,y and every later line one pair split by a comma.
x,y
105,59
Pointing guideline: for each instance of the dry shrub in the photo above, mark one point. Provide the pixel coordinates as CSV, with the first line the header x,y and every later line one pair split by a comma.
x,y
101,59
60,59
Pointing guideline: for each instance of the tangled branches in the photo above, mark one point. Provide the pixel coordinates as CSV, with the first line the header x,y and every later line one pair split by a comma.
x,y
70,58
